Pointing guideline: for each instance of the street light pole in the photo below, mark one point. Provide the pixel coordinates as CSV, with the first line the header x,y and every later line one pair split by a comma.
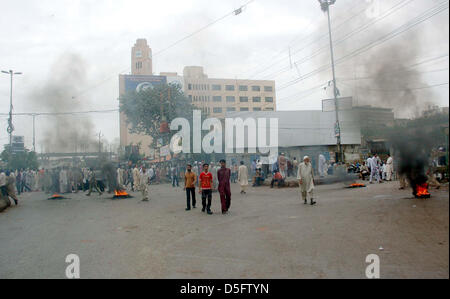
x,y
34,133
325,5
10,124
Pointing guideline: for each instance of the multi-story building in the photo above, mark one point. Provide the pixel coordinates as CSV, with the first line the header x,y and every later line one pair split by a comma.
x,y
216,97
141,76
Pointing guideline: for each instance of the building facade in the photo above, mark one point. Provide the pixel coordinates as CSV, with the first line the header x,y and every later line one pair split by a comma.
x,y
140,77
216,97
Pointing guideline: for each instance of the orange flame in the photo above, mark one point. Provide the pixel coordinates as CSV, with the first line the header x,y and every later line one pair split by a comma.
x,y
422,190
356,185
120,193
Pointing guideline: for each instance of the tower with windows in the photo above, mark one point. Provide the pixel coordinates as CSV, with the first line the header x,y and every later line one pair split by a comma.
x,y
141,58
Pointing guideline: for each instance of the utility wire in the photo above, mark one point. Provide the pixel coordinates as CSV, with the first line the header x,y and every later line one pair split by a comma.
x,y
405,27
338,42
336,28
320,87
234,12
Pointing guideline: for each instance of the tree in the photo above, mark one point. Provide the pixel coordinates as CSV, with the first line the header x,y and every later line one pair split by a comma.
x,y
25,159
147,109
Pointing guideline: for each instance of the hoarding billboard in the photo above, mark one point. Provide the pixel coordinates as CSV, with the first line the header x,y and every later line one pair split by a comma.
x,y
140,82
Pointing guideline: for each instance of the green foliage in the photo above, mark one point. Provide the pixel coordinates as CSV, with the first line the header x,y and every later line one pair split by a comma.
x,y
24,159
143,109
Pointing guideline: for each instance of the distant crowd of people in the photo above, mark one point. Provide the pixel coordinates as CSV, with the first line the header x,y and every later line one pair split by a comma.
x,y
207,177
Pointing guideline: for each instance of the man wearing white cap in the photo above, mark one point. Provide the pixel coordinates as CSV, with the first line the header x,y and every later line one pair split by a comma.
x,y
305,176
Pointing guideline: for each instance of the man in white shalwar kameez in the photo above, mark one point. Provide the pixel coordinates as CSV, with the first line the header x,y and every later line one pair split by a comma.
x,y
374,169
305,176
144,181
243,177
136,178
389,168
120,178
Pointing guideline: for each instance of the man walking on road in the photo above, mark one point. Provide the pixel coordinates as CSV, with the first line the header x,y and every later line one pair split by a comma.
x,y
144,180
190,178
306,180
205,183
224,177
92,183
243,177
374,169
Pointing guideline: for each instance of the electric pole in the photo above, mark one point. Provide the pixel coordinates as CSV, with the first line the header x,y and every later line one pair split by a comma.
x,y
34,133
10,123
100,141
325,5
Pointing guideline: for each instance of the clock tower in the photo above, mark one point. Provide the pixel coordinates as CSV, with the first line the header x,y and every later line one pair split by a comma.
x,y
141,58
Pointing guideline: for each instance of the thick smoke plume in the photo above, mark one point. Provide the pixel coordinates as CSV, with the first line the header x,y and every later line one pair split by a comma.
x,y
394,80
65,133
412,148
388,74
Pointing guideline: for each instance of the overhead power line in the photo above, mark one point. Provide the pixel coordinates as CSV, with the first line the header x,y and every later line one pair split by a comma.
x,y
62,113
396,7
317,88
234,12
396,32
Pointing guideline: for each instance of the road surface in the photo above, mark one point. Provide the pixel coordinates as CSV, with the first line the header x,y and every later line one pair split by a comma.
x,y
269,233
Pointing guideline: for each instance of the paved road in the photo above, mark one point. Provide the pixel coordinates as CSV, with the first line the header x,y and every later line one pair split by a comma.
x,y
268,234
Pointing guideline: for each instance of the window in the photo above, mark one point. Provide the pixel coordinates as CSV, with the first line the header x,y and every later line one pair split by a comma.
x,y
229,88
216,87
243,88
244,109
268,88
217,99
231,109
243,99
217,110
269,100
231,99
256,88
256,99
257,109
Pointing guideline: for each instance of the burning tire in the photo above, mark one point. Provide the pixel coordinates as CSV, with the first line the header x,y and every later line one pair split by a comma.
x,y
421,191
56,196
121,194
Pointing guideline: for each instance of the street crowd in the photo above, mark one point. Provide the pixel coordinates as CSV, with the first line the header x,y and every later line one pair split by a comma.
x,y
207,177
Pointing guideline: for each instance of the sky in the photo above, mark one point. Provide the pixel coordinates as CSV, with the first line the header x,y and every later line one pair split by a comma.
x,y
281,40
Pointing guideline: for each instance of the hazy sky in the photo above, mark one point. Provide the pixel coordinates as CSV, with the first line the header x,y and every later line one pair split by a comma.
x,y
35,36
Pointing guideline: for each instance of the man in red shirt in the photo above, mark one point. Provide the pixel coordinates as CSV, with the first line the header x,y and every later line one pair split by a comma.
x,y
223,176
205,189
